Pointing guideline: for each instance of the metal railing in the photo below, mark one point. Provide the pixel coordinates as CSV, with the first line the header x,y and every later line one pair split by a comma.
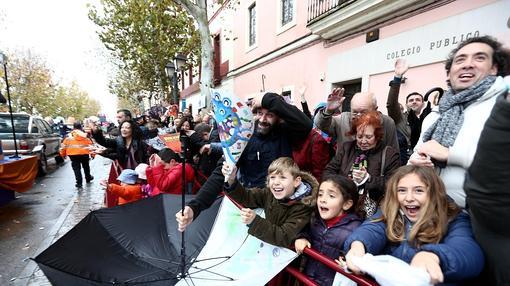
x,y
318,8
316,255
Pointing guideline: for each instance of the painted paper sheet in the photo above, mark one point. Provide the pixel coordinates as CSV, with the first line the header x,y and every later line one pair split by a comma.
x,y
172,141
233,257
235,123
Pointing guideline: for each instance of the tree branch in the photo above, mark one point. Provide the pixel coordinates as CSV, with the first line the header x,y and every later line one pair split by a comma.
x,y
192,8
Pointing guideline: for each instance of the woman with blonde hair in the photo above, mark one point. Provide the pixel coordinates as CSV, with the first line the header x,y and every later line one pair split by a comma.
x,y
421,226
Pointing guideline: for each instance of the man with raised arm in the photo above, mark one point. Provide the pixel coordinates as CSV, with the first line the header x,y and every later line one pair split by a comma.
x,y
337,126
278,125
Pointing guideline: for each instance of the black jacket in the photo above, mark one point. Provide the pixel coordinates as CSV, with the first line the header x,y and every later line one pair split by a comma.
x,y
119,151
295,128
487,182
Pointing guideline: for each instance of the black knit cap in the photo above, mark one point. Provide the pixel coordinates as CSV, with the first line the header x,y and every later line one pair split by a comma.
x,y
167,154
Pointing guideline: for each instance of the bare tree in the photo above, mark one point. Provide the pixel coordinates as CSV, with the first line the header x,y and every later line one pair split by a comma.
x,y
198,10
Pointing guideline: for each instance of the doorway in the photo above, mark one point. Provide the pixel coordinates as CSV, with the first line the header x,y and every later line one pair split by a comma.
x,y
351,87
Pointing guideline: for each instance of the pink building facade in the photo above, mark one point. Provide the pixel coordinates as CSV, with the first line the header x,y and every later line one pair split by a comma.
x,y
283,45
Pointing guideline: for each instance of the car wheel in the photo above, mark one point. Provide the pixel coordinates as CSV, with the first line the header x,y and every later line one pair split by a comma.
x,y
59,159
43,165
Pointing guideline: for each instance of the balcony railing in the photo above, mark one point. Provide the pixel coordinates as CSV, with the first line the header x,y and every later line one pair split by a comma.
x,y
318,8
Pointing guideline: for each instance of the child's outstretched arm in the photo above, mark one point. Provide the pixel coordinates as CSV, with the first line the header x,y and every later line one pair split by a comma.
x,y
460,256
429,262
357,249
282,234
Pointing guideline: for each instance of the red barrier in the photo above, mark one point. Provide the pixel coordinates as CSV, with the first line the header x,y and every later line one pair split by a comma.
x,y
314,254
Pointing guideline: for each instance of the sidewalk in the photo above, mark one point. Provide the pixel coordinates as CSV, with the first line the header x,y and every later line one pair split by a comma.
x,y
89,198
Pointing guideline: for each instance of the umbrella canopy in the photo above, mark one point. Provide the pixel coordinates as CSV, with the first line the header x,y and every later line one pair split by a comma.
x,y
136,243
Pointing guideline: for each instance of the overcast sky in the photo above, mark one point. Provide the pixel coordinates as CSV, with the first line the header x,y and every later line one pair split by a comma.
x,y
60,32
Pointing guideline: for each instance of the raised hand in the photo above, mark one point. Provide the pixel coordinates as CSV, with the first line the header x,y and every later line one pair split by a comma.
x,y
154,160
401,67
335,100
301,92
230,172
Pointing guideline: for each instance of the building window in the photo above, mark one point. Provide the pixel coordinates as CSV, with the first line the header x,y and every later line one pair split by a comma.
x,y
287,95
252,25
287,11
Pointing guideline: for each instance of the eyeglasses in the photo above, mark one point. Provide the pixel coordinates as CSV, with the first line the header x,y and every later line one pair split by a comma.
x,y
357,113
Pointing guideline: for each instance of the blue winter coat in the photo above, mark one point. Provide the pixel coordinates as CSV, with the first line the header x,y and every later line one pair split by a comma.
x,y
459,254
328,241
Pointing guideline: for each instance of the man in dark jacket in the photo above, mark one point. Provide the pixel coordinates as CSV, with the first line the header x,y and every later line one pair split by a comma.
x,y
277,126
487,188
408,123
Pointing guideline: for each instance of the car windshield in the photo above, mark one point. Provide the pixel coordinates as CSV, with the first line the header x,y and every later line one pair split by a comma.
x,y
20,123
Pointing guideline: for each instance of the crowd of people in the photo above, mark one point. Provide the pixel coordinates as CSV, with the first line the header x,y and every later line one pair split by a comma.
x,y
428,183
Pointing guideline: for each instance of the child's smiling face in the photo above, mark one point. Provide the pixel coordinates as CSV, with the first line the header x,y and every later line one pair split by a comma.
x,y
412,195
283,184
331,202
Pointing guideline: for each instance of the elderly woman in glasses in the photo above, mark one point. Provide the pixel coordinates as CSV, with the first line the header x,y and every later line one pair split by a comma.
x,y
366,160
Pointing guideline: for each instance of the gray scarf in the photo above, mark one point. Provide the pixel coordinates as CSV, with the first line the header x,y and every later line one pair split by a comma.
x,y
451,110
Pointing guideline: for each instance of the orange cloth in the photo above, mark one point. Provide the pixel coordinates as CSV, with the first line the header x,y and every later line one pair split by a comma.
x,y
18,175
110,199
75,144
126,193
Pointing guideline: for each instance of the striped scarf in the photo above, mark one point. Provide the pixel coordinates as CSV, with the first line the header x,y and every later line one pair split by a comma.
x,y
451,110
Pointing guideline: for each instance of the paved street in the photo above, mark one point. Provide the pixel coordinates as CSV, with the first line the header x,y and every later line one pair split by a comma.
x,y
40,216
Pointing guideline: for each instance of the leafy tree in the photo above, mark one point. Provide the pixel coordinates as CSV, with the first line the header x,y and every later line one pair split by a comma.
x,y
34,91
144,35
30,82
74,102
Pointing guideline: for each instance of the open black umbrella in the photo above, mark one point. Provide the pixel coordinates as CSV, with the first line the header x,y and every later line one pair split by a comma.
x,y
132,244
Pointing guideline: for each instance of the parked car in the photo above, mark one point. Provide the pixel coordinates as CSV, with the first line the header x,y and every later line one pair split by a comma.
x,y
33,135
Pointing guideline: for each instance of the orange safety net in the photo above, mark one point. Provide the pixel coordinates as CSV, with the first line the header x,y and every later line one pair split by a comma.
x,y
18,174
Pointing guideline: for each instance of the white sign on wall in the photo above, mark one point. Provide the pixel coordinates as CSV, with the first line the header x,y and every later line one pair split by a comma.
x,y
425,45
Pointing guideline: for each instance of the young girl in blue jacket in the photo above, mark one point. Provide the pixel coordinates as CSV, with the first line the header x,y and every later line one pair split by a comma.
x,y
421,226
333,221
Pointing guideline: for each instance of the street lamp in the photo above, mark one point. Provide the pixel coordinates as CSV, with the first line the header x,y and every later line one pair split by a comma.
x,y
3,61
171,69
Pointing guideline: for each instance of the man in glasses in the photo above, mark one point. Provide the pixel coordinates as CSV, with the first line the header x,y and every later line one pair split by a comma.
x,y
338,125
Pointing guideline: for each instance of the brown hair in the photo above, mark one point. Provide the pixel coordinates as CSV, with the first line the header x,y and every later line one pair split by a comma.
x,y
283,164
371,118
185,119
500,56
432,224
